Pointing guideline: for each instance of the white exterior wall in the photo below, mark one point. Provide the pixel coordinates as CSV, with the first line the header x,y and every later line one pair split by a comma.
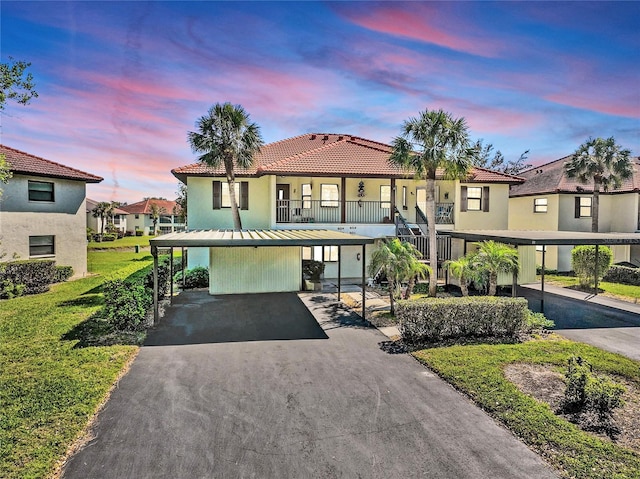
x,y
64,218
255,270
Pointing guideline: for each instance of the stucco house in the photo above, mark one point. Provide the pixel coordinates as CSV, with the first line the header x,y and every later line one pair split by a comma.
x,y
43,211
118,218
550,201
139,216
342,183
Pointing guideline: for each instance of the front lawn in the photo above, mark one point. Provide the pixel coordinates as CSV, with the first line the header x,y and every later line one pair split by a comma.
x,y
478,371
625,292
126,242
48,388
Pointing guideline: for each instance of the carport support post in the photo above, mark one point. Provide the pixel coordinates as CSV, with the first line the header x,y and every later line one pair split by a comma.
x,y
595,289
544,251
154,253
171,275
364,263
339,268
184,266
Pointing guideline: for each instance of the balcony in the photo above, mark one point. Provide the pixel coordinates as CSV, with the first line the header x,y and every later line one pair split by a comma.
x,y
333,211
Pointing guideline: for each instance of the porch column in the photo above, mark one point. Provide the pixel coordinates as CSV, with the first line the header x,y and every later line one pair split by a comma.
x,y
595,291
544,252
171,275
364,263
339,269
156,314
343,200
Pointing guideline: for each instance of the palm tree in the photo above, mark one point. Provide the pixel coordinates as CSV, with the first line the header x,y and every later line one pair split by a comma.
x,y
100,211
464,270
226,137
415,268
602,162
433,140
389,258
155,212
493,258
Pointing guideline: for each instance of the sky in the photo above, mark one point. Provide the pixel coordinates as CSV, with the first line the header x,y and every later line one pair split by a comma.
x,y
122,83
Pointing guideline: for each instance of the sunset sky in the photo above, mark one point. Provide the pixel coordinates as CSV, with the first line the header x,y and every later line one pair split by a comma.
x,y
121,83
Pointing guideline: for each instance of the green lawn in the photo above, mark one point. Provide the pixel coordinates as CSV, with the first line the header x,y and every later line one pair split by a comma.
x,y
48,388
126,242
477,370
626,292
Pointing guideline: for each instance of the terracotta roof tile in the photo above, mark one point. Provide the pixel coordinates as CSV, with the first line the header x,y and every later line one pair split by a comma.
x,y
550,178
328,154
144,206
26,164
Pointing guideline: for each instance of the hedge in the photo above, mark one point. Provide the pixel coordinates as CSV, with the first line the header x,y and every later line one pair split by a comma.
x,y
194,278
35,275
62,274
435,319
623,275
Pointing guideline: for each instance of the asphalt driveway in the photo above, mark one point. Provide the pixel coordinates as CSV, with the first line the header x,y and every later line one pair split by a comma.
x,y
281,386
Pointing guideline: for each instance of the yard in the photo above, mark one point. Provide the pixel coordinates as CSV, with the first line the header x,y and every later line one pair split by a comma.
x,y
128,242
50,387
625,292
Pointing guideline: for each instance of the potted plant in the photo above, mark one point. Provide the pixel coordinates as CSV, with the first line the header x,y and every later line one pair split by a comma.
x,y
312,272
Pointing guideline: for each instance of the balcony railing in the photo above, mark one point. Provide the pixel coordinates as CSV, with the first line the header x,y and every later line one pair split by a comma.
x,y
324,211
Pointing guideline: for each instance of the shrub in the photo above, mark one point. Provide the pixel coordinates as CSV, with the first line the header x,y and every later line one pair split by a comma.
x,y
9,290
312,269
164,274
537,322
109,237
434,319
583,260
62,274
35,275
194,278
126,303
139,232
623,275
546,270
421,288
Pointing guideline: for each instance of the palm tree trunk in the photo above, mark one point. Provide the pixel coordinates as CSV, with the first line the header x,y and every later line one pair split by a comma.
x,y
595,206
392,288
464,288
493,284
235,212
410,285
433,247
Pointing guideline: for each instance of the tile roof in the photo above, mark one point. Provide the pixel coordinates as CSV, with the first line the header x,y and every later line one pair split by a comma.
x,y
322,154
550,178
91,204
144,206
26,164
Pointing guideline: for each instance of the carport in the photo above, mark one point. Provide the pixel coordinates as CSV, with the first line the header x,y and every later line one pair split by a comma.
x,y
285,239
548,238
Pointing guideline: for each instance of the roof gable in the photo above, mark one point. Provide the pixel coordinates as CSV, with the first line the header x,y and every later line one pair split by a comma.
x,y
26,164
144,206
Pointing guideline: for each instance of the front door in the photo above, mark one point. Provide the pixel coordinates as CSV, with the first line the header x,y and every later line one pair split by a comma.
x,y
282,204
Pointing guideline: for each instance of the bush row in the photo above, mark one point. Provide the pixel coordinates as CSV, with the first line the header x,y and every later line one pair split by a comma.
x,y
35,275
194,278
624,275
435,319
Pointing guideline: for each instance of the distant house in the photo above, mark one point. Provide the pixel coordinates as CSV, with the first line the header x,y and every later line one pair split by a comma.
x,y
43,211
140,216
550,201
118,218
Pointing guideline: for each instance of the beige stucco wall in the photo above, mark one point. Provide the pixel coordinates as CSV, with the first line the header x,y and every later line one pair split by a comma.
x,y
522,216
255,270
497,218
65,219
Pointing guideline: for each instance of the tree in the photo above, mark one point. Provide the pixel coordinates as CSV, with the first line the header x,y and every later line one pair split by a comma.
x,y
15,85
5,172
464,270
181,202
493,258
603,163
433,140
583,262
485,157
100,211
226,137
415,269
155,212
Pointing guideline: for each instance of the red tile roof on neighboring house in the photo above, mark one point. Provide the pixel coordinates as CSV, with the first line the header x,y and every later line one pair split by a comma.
x,y
550,178
323,154
26,164
91,204
167,207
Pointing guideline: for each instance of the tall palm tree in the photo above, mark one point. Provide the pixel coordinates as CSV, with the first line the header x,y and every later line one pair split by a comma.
x,y
493,258
433,140
155,212
464,270
100,211
415,268
603,163
226,137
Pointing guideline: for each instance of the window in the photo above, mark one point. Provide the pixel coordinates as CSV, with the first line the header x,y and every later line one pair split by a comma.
x,y
221,197
583,207
137,217
385,197
405,205
474,198
41,245
326,254
41,191
306,195
329,196
540,205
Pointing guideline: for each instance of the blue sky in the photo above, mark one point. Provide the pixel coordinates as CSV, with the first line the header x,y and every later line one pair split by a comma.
x,y
121,83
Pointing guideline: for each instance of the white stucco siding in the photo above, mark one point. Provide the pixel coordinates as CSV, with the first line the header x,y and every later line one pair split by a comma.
x,y
255,270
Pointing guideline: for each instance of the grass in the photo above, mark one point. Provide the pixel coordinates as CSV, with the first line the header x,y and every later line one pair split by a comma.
x,y
626,292
126,242
477,370
49,387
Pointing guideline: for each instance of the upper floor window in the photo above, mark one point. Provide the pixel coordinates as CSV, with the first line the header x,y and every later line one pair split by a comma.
x,y
329,196
540,205
385,197
41,191
405,206
221,198
41,245
474,198
583,207
306,195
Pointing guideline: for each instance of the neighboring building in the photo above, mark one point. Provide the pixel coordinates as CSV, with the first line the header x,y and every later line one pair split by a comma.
x,y
550,201
140,216
342,183
118,218
43,211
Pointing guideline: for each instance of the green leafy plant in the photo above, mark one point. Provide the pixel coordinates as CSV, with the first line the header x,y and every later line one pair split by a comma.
x,y
35,275
312,269
125,303
538,322
583,261
62,274
9,290
194,278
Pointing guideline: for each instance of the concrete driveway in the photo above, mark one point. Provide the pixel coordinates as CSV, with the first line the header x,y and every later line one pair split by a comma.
x,y
282,386
599,321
